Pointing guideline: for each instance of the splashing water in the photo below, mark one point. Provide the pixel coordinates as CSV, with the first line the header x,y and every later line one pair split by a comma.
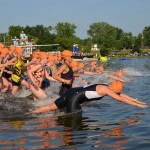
x,y
134,72
23,92
21,103
11,106
52,95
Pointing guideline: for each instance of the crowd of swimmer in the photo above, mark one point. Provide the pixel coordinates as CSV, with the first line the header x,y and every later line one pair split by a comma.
x,y
43,69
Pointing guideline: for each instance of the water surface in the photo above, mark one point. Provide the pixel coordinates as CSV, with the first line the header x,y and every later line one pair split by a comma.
x,y
105,124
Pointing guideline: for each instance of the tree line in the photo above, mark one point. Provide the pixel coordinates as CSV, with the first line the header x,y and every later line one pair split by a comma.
x,y
106,36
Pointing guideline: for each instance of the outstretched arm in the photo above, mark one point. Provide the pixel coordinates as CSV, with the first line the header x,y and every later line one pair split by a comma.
x,y
131,98
106,91
91,73
115,77
128,100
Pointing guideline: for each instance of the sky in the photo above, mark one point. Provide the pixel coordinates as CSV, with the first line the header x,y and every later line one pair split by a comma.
x,y
129,15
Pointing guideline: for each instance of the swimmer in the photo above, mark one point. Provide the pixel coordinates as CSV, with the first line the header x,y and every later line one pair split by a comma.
x,y
75,96
80,71
36,75
65,73
16,76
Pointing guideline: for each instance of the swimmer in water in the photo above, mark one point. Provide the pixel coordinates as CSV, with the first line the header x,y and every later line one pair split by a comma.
x,y
16,76
80,74
65,73
75,96
36,74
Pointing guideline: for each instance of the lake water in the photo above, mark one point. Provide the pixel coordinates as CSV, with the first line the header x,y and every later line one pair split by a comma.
x,y
105,124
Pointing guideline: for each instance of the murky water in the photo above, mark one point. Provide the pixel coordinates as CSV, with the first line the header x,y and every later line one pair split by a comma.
x,y
105,124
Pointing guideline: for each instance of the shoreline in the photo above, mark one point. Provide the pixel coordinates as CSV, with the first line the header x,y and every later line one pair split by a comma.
x,y
94,59
86,59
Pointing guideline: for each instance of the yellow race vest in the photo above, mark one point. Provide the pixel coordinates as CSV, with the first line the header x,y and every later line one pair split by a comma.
x,y
16,75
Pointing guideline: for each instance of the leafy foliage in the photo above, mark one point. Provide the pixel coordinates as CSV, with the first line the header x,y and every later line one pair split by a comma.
x,y
106,36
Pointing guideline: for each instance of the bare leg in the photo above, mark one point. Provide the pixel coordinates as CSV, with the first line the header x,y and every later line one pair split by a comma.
x,y
38,92
0,84
14,89
6,84
25,83
45,108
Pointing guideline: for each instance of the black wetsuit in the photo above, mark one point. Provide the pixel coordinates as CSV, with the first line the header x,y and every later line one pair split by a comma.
x,y
67,76
75,96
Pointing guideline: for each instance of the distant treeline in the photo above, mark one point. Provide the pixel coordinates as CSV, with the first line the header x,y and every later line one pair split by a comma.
x,y
106,36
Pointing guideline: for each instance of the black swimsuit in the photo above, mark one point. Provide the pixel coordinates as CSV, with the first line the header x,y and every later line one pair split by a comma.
x,y
66,76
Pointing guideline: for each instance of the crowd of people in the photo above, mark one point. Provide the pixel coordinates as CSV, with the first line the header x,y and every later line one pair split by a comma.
x,y
43,69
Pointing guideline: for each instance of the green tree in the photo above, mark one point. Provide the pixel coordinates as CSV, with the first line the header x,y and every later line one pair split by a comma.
x,y
100,31
65,29
104,35
15,31
137,44
65,34
127,40
109,37
146,36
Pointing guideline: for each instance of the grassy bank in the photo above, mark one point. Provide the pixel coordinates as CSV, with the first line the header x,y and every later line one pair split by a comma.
x,y
127,53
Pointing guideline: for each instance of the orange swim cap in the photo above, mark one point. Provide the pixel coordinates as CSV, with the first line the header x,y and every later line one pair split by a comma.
x,y
66,53
43,55
51,54
50,58
81,65
4,51
119,73
116,86
35,55
93,63
1,45
73,64
12,47
59,55
19,50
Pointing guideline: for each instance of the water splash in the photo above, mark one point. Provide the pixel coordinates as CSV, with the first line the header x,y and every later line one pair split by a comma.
x,y
134,72
11,106
23,93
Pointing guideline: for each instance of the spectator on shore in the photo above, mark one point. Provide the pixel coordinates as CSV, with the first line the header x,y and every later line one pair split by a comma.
x,y
15,41
23,37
